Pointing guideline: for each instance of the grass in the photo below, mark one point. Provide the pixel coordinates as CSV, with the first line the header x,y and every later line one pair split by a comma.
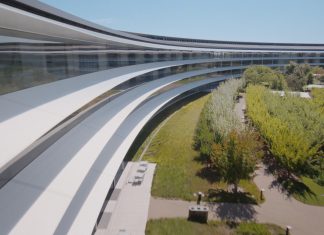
x,y
182,226
316,197
179,171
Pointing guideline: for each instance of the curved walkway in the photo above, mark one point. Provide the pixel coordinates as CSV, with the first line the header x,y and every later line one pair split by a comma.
x,y
277,209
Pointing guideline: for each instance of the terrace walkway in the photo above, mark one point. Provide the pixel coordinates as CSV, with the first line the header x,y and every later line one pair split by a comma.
x,y
127,209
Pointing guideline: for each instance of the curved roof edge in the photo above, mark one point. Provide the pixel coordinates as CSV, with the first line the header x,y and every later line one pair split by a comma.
x,y
42,9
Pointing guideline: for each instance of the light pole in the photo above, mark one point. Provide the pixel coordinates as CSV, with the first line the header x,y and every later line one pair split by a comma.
x,y
288,228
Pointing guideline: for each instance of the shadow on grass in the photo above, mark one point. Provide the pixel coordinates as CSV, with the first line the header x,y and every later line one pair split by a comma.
x,y
209,174
234,212
220,195
203,159
292,186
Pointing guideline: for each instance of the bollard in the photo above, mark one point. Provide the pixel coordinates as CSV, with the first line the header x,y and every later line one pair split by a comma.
x,y
288,228
199,198
261,193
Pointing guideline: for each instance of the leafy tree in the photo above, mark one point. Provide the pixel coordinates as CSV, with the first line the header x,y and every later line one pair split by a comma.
x,y
298,75
293,127
318,70
218,118
263,75
236,157
222,139
318,73
318,98
204,136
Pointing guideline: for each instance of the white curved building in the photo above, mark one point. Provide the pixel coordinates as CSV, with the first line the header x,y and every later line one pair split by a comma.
x,y
75,95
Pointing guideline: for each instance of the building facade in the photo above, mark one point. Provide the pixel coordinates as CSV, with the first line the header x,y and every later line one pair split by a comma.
x,y
75,95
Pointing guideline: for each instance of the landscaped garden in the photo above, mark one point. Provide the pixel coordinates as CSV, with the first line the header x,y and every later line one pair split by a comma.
x,y
205,147
293,130
182,169
182,226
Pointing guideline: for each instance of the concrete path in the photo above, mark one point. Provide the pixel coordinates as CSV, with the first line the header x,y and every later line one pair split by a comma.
x,y
127,209
277,209
282,210
240,107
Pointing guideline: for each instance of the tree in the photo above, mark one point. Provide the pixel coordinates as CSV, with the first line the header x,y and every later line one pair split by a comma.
x,y
292,126
236,157
263,75
318,73
298,75
217,118
204,136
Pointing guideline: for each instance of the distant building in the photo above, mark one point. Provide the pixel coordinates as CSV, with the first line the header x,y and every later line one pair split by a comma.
x,y
294,93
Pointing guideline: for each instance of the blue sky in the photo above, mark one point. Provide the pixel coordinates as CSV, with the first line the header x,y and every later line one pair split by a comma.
x,y
236,20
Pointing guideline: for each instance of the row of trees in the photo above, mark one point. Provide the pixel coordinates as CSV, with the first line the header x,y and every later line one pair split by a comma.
x,y
230,148
295,76
318,98
293,127
217,118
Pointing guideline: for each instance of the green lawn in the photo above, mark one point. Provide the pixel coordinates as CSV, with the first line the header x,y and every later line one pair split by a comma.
x,y
314,194
179,171
181,226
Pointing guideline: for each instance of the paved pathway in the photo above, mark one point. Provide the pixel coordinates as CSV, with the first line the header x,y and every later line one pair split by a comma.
x,y
127,209
240,107
277,209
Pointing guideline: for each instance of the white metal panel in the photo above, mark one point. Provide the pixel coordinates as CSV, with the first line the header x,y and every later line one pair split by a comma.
x,y
28,114
67,166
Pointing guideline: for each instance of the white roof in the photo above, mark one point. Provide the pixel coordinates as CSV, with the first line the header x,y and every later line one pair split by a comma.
x,y
310,86
295,93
